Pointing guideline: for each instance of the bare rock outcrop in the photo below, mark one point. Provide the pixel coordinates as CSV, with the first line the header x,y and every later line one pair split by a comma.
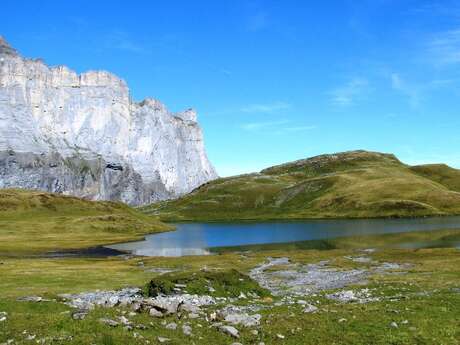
x,y
83,135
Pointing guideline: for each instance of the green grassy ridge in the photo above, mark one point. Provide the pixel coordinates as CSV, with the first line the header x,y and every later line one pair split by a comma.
x,y
33,222
441,173
354,184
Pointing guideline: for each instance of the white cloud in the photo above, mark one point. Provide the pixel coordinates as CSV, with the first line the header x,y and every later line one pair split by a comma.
x,y
298,128
254,126
120,40
265,108
410,90
277,127
349,93
444,47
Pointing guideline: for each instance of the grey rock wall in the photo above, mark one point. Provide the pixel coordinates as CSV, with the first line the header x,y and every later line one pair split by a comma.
x,y
83,135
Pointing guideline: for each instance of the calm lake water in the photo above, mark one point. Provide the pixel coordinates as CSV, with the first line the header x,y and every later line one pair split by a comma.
x,y
198,238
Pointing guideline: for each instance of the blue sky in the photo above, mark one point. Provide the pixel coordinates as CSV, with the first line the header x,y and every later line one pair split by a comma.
x,y
272,81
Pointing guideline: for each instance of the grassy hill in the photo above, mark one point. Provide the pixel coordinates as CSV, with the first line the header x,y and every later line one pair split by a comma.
x,y
34,222
349,184
441,173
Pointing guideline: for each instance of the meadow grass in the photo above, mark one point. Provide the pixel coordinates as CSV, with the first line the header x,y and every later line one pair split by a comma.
x,y
33,222
431,306
357,184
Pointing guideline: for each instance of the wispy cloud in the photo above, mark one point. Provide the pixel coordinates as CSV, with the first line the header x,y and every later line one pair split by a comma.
x,y
298,128
349,93
438,8
120,40
276,127
416,91
412,91
254,126
444,47
265,108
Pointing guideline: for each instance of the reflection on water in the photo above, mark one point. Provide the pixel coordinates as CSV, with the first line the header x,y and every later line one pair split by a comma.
x,y
197,238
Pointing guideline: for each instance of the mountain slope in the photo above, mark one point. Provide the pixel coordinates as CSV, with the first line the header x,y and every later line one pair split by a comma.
x,y
83,135
349,184
36,222
441,173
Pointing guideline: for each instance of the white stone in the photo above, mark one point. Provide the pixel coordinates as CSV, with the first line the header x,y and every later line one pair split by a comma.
x,y
171,326
187,330
310,308
83,135
229,330
155,313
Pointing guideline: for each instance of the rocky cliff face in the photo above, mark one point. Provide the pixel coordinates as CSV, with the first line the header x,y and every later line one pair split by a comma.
x,y
83,135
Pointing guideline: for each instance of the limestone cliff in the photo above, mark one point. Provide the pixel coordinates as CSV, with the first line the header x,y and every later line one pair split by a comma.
x,y
83,135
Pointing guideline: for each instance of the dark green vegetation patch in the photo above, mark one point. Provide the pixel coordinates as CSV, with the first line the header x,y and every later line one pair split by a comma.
x,y
228,283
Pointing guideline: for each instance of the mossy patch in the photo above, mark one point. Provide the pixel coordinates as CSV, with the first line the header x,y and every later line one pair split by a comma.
x,y
227,283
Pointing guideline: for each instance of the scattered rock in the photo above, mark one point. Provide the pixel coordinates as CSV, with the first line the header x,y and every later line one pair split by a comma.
x,y
155,313
303,279
359,259
136,307
346,296
229,330
280,336
30,299
369,250
109,322
163,340
342,320
243,319
161,270
188,307
79,314
89,300
193,316
393,325
124,321
187,330
310,308
172,326
3,315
